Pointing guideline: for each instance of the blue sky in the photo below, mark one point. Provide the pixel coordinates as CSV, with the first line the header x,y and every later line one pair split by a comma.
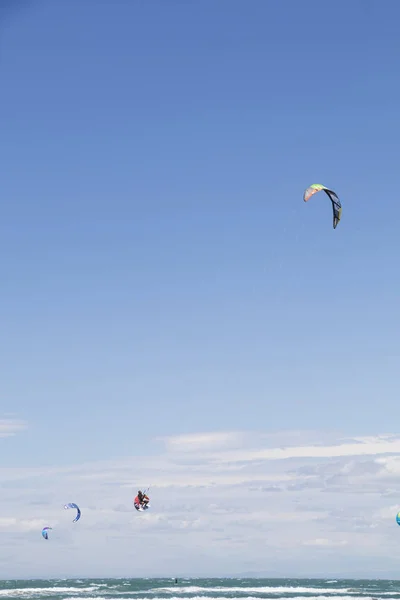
x,y
161,274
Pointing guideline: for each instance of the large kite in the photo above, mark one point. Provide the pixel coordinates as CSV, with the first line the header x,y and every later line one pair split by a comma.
x,y
78,511
336,205
45,532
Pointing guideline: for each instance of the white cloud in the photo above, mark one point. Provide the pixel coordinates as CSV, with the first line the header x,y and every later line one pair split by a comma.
x,y
211,506
359,447
15,524
325,542
203,441
9,427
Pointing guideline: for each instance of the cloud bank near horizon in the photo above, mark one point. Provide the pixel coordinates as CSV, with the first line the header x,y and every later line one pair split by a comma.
x,y
222,503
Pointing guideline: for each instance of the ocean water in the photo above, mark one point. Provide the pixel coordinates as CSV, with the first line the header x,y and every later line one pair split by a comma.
x,y
197,589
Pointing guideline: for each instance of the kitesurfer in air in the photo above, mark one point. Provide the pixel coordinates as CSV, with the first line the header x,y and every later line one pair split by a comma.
x,y
141,500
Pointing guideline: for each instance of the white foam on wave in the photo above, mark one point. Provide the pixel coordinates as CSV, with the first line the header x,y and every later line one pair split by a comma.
x,y
193,591
253,590
51,591
198,593
319,597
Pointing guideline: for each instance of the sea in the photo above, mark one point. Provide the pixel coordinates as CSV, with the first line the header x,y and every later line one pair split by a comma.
x,y
198,589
